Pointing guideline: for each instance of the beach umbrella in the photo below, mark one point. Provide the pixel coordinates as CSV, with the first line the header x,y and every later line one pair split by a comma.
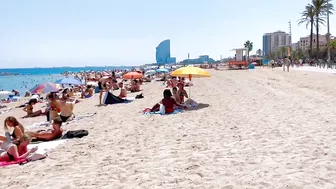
x,y
5,93
45,88
190,72
70,81
132,75
150,72
162,70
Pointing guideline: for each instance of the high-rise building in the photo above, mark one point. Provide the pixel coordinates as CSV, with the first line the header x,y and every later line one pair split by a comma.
x,y
273,41
163,53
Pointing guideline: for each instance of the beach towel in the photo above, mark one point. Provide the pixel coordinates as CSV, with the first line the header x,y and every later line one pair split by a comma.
x,y
109,98
38,125
6,163
44,147
147,112
5,110
80,117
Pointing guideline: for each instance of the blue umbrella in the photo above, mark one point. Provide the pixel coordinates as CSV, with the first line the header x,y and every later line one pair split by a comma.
x,y
150,72
162,70
69,81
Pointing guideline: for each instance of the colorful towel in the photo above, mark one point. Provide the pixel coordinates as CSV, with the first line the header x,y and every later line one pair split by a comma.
x,y
6,163
147,111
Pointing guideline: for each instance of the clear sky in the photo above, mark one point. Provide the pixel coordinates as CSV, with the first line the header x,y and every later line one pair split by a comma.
x,y
44,33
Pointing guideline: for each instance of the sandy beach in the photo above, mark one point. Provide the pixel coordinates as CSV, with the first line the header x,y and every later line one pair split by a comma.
x,y
253,129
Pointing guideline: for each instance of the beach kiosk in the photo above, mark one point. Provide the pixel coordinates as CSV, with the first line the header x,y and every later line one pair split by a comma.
x,y
239,62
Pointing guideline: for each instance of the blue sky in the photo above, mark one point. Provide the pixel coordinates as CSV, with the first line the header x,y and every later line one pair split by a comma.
x,y
45,33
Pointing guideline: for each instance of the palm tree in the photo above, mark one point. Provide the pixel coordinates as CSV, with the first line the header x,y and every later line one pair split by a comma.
x,y
307,17
249,45
259,52
283,50
321,8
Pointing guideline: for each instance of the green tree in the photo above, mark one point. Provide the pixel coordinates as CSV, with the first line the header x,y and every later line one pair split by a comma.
x,y
307,17
321,8
283,51
249,45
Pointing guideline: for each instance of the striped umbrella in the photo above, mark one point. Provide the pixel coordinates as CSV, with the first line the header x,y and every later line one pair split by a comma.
x,y
45,88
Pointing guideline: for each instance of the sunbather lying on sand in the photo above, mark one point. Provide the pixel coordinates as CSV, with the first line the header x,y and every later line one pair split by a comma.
x,y
56,133
16,151
168,102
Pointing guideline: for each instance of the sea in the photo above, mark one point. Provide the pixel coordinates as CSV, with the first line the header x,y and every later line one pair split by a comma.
x,y
27,78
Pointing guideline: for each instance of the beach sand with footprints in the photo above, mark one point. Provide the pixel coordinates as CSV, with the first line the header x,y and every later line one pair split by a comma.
x,y
253,129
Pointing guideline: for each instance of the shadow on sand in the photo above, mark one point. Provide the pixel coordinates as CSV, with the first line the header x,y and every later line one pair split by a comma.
x,y
199,106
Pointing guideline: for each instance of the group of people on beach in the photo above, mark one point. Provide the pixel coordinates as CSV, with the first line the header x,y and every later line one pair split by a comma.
x,y
172,100
13,146
56,106
59,109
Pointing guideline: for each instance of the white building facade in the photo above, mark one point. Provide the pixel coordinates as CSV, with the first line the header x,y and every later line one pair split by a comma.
x,y
272,42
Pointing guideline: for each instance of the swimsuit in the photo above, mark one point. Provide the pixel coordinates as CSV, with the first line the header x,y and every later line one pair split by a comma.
x,y
11,157
64,118
100,87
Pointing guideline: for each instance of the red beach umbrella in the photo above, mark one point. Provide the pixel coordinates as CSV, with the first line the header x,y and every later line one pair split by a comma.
x,y
132,75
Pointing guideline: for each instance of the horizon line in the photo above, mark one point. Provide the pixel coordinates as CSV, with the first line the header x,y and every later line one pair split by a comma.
x,y
69,67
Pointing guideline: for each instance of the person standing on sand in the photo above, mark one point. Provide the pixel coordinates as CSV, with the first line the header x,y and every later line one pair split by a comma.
x,y
102,85
287,63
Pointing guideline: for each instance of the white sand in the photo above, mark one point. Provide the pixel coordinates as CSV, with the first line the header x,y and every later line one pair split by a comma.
x,y
315,69
262,129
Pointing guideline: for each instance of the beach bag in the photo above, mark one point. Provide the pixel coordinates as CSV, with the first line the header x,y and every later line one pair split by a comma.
x,y
162,109
75,134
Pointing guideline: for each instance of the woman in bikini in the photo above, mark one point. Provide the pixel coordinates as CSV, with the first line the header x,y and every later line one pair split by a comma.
x,y
66,109
29,109
18,129
182,93
17,150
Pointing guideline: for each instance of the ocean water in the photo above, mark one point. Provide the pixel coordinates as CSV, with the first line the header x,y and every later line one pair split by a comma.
x,y
29,77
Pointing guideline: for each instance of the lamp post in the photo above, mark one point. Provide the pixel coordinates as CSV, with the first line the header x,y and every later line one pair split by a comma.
x,y
328,35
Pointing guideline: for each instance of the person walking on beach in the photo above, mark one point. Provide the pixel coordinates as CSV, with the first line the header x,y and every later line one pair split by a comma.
x,y
286,63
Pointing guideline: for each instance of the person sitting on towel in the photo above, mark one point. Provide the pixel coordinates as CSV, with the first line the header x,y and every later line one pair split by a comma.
x,y
53,134
29,109
123,92
182,92
18,129
17,150
103,87
168,101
